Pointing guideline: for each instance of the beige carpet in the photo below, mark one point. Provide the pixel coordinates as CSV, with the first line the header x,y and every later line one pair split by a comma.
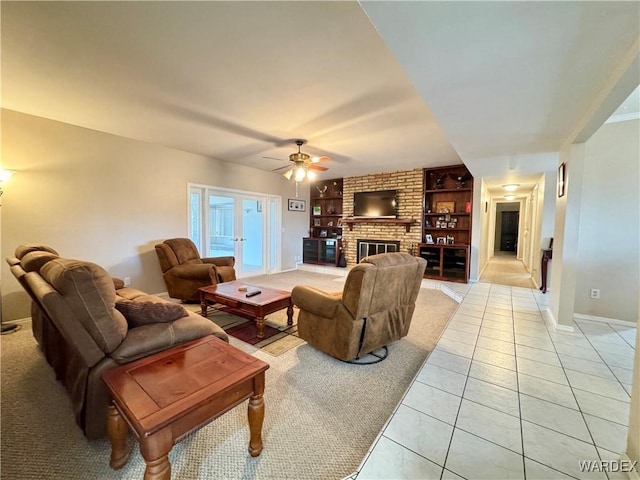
x,y
321,414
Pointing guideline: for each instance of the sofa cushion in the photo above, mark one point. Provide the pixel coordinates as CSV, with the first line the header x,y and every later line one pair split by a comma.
x,y
140,313
33,261
22,250
88,291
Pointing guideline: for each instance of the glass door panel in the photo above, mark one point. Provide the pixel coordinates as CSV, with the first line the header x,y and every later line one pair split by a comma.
x,y
252,236
221,226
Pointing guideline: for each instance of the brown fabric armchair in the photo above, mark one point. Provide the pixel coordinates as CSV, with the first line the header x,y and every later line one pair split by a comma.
x,y
373,310
184,271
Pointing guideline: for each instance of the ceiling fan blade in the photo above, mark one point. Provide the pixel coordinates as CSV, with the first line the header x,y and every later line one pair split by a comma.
x,y
320,168
274,158
323,158
281,168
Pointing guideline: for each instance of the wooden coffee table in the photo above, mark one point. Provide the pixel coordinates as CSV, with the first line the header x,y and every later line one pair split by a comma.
x,y
268,301
168,395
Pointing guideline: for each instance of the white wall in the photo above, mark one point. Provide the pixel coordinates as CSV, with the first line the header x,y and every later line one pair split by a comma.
x,y
109,199
482,213
610,223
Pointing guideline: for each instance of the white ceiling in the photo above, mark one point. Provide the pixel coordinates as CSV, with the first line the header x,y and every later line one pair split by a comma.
x,y
382,87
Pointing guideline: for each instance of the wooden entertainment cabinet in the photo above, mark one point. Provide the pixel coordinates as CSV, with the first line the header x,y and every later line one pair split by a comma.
x,y
446,222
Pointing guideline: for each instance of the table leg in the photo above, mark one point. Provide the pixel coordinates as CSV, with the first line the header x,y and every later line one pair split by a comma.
x,y
203,305
290,313
260,327
256,416
543,272
117,432
155,451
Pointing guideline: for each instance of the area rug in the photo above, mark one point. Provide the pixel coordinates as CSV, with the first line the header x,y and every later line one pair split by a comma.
x,y
321,415
278,339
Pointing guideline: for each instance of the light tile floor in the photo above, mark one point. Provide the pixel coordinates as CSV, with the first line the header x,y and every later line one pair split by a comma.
x,y
504,396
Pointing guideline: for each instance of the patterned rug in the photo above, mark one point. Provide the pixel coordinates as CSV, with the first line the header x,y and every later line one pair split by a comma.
x,y
278,339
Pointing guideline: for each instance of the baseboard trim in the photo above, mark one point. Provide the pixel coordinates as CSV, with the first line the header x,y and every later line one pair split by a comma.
x,y
553,323
614,321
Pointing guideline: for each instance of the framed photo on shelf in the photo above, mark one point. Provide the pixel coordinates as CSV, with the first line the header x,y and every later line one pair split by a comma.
x,y
323,233
296,205
441,241
316,222
317,210
450,240
445,207
428,238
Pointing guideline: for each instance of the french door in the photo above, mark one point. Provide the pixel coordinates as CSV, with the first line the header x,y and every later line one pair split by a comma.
x,y
225,222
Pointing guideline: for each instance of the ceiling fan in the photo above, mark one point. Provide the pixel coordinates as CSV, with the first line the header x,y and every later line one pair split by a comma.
x,y
303,165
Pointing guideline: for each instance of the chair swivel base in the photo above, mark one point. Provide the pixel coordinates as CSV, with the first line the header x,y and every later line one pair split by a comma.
x,y
379,355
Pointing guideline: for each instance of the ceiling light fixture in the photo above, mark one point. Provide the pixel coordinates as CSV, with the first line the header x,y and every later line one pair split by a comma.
x,y
510,187
509,197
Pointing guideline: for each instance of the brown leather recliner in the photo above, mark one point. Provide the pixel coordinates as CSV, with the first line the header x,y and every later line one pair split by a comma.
x,y
374,309
184,272
85,324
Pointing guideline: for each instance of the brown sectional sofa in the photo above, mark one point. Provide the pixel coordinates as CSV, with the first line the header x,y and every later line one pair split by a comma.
x,y
78,323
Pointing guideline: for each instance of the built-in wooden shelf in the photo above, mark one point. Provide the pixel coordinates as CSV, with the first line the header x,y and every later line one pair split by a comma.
x,y
387,221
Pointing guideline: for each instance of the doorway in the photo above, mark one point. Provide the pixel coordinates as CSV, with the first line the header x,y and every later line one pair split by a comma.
x,y
224,222
507,228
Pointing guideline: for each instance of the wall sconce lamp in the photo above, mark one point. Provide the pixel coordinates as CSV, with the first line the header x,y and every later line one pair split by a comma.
x,y
4,176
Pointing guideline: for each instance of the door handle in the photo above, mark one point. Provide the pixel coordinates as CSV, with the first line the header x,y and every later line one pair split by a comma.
x,y
235,239
242,239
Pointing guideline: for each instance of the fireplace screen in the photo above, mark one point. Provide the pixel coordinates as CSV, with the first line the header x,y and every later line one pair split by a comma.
x,y
368,247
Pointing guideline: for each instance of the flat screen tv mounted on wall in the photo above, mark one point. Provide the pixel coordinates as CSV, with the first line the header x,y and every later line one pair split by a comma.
x,y
382,204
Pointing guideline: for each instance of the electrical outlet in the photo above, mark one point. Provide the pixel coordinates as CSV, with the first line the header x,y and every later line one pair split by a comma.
x,y
127,281
595,293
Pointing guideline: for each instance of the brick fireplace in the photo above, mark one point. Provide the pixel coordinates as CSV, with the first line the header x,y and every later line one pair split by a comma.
x,y
408,183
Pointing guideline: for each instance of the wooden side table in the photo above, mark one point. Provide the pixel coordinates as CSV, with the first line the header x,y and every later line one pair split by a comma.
x,y
547,254
166,396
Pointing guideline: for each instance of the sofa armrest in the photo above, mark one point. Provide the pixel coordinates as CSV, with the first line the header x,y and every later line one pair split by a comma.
x,y
153,338
193,271
220,261
318,302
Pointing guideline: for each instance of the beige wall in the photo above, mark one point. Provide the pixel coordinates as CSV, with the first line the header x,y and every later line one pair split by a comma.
x,y
108,199
610,223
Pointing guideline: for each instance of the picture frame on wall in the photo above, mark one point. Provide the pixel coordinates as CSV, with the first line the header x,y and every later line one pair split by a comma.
x,y
562,179
297,205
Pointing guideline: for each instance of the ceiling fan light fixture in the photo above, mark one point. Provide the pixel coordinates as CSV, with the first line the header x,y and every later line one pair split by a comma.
x,y
311,175
510,187
288,174
300,174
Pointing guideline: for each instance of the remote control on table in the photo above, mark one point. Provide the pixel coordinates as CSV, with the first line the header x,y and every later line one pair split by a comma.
x,y
254,293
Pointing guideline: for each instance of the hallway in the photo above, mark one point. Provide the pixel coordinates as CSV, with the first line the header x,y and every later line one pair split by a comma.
x,y
505,269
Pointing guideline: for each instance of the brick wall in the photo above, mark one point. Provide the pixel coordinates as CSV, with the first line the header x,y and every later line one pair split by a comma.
x,y
408,184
